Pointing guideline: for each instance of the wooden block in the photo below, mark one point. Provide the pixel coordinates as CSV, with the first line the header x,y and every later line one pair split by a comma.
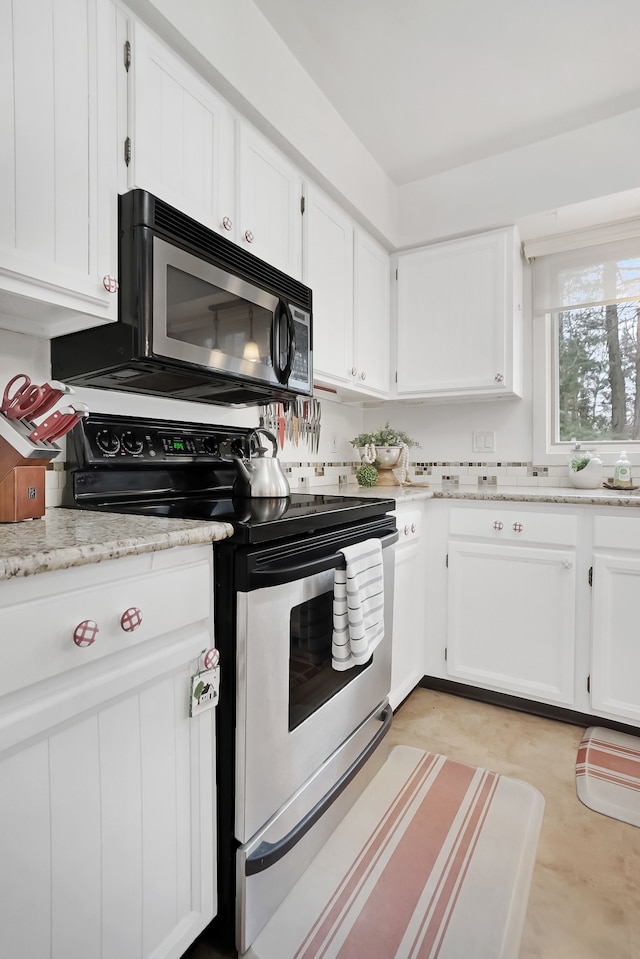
x,y
22,494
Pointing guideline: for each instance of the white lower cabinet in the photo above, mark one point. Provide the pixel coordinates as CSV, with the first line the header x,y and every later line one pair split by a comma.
x,y
511,602
408,605
615,651
107,846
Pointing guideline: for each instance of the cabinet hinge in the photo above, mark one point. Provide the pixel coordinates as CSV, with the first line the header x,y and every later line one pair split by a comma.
x,y
396,273
591,576
127,55
445,654
127,151
302,204
588,684
446,561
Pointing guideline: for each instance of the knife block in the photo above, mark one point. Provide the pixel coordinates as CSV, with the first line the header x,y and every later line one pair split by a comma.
x,y
22,494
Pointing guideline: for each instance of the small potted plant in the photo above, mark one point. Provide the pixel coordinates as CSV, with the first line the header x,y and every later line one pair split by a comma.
x,y
585,469
383,448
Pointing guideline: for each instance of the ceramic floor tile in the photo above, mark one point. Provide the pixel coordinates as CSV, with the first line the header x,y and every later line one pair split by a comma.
x,y
585,895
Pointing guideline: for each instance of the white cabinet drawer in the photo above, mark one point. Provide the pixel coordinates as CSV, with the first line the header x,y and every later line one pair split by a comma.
x,y
617,532
514,525
38,615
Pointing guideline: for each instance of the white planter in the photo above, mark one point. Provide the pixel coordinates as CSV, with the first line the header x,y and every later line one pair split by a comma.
x,y
588,478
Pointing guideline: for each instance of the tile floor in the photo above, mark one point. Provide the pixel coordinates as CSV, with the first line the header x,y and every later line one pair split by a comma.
x,y
585,896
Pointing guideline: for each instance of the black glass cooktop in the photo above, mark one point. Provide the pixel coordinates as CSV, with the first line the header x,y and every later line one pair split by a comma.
x,y
261,520
184,470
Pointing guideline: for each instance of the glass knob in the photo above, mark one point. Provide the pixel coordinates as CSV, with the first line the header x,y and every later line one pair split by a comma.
x,y
498,525
227,223
248,235
110,284
517,527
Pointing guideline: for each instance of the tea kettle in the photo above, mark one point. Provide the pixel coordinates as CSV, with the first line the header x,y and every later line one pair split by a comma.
x,y
260,475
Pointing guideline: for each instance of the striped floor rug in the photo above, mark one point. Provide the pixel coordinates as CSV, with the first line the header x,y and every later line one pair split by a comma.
x,y
434,861
608,773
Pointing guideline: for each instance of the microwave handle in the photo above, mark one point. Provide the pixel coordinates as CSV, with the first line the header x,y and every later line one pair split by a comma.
x,y
283,314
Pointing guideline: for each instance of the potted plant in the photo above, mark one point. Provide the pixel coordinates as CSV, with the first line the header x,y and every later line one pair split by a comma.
x,y
383,448
585,469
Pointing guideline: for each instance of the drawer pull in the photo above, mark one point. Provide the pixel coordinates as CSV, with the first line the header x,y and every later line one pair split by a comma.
x,y
407,530
498,525
85,633
567,564
413,527
517,527
131,619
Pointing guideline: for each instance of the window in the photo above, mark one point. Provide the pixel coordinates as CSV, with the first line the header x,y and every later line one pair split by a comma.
x,y
587,364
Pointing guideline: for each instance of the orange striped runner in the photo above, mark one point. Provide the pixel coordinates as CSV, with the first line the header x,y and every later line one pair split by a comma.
x,y
410,888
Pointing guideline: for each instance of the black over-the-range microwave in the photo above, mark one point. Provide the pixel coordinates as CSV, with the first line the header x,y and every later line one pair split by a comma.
x,y
199,318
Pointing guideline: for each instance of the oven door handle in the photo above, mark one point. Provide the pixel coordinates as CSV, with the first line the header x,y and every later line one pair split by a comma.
x,y
269,853
275,573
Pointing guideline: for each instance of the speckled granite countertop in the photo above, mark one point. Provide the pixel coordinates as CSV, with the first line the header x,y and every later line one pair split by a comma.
x,y
68,537
515,494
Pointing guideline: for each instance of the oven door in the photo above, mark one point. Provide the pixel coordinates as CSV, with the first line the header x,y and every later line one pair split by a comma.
x,y
293,710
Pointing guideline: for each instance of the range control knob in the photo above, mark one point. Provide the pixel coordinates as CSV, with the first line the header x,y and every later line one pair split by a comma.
x,y
132,442
107,441
211,445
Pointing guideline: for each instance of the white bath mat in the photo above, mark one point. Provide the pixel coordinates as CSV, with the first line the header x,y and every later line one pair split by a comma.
x,y
608,773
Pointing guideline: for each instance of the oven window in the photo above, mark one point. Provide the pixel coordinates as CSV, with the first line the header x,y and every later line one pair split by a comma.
x,y
312,679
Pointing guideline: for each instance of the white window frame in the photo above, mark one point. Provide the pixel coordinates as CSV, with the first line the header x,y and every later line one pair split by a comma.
x,y
547,451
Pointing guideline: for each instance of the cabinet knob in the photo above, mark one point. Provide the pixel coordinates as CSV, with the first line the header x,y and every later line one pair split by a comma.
x,y
85,633
406,530
354,371
498,525
413,527
210,658
517,527
363,375
249,237
227,223
567,564
131,619
110,283
499,377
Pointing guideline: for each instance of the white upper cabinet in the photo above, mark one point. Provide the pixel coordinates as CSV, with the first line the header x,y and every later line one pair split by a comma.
x,y
371,315
58,164
349,275
460,318
270,197
328,249
182,135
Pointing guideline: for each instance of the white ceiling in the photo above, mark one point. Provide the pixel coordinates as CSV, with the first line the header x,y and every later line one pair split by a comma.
x,y
428,85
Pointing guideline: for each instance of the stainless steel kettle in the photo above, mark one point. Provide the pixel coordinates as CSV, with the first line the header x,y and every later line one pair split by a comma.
x,y
261,475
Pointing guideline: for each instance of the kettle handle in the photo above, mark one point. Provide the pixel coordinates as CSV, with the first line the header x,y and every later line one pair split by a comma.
x,y
269,436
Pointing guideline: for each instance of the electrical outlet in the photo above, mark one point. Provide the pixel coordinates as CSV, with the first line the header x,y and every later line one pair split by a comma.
x,y
333,443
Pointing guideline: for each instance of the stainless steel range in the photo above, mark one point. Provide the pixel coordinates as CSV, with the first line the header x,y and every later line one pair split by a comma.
x,y
297,740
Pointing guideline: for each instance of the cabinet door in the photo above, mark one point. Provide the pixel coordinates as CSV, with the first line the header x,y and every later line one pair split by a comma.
x,y
458,331
408,641
511,619
615,652
270,192
371,315
58,164
183,135
106,847
328,270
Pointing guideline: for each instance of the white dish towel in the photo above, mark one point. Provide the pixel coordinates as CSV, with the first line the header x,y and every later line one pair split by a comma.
x,y
358,605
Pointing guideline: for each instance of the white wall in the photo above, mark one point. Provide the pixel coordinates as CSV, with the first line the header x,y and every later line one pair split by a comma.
x,y
595,161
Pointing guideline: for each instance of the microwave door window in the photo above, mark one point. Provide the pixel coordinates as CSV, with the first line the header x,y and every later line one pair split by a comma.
x,y
217,327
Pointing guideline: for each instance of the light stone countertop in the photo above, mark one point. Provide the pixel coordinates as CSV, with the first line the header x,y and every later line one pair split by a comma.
x,y
515,494
63,538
